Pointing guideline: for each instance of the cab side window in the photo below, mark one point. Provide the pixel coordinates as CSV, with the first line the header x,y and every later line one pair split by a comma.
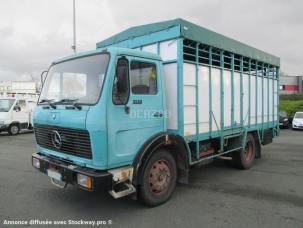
x,y
20,105
121,82
143,77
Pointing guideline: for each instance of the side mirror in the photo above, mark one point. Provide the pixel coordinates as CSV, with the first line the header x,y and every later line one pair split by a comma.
x,y
43,77
121,83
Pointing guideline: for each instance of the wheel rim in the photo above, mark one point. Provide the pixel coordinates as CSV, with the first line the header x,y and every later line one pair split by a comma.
x,y
159,177
14,130
249,151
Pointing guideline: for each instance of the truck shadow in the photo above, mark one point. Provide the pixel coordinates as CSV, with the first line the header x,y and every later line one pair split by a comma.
x,y
101,203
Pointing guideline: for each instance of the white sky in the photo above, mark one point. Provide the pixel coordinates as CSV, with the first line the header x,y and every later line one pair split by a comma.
x,y
33,33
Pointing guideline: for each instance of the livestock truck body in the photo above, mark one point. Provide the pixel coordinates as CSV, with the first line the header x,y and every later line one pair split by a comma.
x,y
135,114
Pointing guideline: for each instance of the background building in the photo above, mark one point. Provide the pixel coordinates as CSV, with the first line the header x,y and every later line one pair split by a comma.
x,y
13,87
291,84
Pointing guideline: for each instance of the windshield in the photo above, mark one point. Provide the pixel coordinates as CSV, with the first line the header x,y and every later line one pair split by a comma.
x,y
79,80
299,115
6,104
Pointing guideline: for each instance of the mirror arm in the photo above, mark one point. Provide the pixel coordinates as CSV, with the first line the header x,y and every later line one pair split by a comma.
x,y
42,79
126,108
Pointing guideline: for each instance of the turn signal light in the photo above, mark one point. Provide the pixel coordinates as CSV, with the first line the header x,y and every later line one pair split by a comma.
x,y
84,181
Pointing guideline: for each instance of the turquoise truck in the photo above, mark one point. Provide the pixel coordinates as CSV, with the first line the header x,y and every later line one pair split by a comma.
x,y
133,115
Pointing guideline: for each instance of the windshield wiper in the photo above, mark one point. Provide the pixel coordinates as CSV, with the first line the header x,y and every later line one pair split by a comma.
x,y
49,102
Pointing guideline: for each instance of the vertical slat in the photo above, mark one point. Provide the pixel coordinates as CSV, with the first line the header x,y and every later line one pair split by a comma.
x,y
267,74
262,99
241,91
180,86
232,90
278,94
273,96
249,91
222,98
197,103
256,88
210,92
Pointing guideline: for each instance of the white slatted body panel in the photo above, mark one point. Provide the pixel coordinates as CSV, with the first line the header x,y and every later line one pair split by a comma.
x,y
245,99
276,99
189,98
153,48
167,49
216,109
237,97
227,98
259,100
203,99
168,52
171,89
265,98
253,99
270,100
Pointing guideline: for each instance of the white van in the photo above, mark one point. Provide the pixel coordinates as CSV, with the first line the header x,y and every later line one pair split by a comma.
x,y
16,114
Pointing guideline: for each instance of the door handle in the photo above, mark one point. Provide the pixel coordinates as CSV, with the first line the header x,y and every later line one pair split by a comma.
x,y
126,109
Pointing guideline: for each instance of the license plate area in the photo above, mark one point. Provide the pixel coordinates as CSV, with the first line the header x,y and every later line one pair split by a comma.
x,y
54,174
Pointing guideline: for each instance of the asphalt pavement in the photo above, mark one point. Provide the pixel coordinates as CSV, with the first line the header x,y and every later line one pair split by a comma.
x,y
270,194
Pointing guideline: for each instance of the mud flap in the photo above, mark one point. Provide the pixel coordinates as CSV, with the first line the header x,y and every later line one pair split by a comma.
x,y
267,137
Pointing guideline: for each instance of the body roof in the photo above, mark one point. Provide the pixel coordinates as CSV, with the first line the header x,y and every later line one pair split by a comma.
x,y
193,32
113,50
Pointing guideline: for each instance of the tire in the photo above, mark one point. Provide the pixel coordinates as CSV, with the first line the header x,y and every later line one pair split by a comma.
x,y
244,159
158,178
14,129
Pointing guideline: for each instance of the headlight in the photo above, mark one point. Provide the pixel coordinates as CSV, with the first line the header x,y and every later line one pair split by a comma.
x,y
84,181
36,163
285,119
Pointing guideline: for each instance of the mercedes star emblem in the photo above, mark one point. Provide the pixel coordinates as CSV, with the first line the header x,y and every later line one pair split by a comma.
x,y
56,139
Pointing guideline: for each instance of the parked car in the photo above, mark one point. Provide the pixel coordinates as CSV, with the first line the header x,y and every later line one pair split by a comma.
x,y
297,122
283,119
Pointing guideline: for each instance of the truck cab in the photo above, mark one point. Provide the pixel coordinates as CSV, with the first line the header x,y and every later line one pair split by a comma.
x,y
95,112
16,114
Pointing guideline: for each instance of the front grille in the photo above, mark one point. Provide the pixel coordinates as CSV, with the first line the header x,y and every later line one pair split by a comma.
x,y
72,141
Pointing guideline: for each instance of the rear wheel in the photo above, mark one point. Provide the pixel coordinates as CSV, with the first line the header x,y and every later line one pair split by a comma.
x,y
13,129
244,159
158,179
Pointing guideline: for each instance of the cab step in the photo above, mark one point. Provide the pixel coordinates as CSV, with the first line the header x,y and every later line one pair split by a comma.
x,y
123,190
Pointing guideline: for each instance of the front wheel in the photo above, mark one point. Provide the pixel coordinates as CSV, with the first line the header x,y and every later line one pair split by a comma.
x,y
158,179
13,129
244,159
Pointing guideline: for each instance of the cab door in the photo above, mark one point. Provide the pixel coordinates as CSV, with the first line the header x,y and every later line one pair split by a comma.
x,y
136,111
21,114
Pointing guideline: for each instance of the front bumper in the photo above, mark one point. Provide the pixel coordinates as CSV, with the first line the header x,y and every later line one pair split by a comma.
x,y
3,127
294,126
68,171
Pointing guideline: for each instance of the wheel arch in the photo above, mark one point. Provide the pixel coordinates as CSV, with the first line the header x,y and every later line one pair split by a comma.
x,y
15,123
177,147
